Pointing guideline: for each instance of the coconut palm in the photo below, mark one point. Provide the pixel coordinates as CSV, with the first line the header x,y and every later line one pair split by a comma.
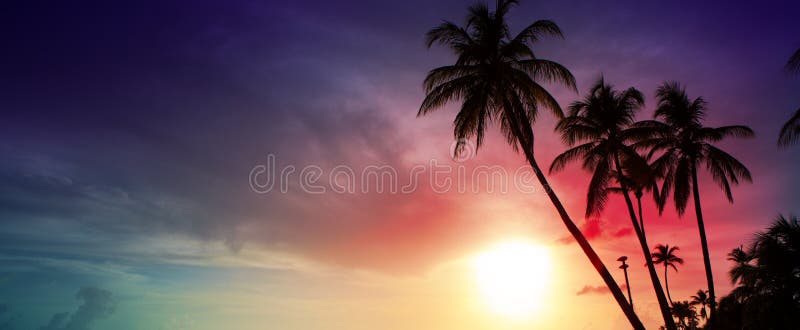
x,y
496,79
664,254
767,278
640,179
701,298
599,129
790,132
684,312
685,144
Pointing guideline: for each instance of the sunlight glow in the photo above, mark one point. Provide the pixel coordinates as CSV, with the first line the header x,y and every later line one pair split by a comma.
x,y
513,276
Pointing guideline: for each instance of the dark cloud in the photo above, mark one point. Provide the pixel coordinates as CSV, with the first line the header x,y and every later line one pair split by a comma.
x,y
97,304
56,321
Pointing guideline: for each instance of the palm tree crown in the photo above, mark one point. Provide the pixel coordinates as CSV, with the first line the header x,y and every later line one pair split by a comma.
x,y
686,143
790,132
599,128
664,254
496,75
701,298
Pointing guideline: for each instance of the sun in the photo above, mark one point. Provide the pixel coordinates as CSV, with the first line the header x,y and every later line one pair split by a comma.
x,y
513,277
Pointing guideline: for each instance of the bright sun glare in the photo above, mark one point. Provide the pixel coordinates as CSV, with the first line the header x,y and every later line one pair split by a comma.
x,y
513,276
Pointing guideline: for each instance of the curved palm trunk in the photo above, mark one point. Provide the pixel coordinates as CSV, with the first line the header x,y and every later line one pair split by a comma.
x,y
666,283
666,311
627,309
703,242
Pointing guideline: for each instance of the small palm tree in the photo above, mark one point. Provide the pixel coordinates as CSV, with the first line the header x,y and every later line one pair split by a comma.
x,y
496,78
685,144
640,178
599,130
790,132
664,254
684,312
701,298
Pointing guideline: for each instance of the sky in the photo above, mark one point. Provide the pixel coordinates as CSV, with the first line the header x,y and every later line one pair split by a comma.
x,y
137,139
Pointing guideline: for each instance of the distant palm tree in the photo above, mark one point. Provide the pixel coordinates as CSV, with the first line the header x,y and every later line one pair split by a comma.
x,y
496,78
790,132
701,298
767,278
640,179
685,144
599,129
684,312
664,254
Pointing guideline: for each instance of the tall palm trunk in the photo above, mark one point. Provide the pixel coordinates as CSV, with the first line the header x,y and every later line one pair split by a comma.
x,y
639,205
666,312
627,309
666,283
703,242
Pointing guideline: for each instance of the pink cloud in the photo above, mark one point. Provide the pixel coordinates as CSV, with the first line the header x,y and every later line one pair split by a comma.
x,y
601,289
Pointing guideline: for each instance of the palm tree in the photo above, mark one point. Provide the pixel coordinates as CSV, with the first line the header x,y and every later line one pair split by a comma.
x,y
640,179
685,144
496,78
664,254
767,278
790,132
684,312
701,298
599,129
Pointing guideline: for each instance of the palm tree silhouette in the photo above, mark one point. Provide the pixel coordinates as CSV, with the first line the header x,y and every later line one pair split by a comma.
x,y
790,132
496,79
766,275
599,129
639,179
664,254
685,144
701,298
684,312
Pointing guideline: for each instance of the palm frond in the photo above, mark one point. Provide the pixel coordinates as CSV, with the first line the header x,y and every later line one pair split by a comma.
x,y
790,132
448,34
548,71
572,154
441,94
793,64
597,196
